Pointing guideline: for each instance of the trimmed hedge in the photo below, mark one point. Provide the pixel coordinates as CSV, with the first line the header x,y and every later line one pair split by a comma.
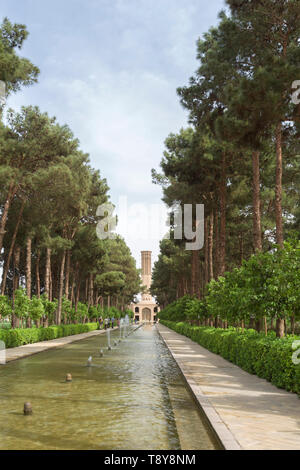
x,y
20,337
267,357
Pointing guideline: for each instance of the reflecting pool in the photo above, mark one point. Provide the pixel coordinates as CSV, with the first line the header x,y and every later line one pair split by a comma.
x,y
134,397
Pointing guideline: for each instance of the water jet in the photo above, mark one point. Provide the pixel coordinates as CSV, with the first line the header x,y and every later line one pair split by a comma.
x,y
89,362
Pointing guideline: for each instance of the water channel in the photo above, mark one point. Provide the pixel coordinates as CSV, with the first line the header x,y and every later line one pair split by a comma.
x,y
134,397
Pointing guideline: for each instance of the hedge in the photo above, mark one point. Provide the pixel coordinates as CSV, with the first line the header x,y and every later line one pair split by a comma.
x,y
20,337
267,357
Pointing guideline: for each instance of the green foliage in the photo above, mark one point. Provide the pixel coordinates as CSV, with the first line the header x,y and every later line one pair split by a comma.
x,y
113,312
176,311
22,303
267,285
267,357
82,310
93,313
110,282
49,308
173,264
20,337
67,311
127,312
5,306
15,70
36,309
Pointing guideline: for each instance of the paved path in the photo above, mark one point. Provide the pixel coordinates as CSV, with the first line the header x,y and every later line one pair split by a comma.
x,y
29,349
247,412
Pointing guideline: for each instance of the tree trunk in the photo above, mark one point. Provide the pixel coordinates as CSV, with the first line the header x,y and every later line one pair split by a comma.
x,y
67,274
95,296
4,273
86,291
51,284
211,245
11,249
258,325
92,290
38,280
217,244
47,273
285,326
195,255
17,256
9,197
16,281
206,259
73,288
28,267
61,288
76,279
266,326
293,324
280,327
28,273
278,187
77,295
241,240
223,195
257,241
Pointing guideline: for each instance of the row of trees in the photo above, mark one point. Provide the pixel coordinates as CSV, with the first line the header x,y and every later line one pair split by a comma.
x,y
240,155
49,195
266,287
42,311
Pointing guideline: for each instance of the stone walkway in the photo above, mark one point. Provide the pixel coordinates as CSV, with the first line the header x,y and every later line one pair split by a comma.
x,y
29,349
247,412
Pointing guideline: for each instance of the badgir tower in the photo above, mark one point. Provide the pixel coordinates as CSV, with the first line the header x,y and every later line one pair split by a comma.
x,y
147,309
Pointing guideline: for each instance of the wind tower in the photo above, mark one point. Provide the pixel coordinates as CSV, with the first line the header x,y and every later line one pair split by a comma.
x,y
146,311
146,274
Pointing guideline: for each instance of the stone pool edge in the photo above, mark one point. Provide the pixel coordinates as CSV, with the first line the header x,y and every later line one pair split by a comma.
x,y
221,432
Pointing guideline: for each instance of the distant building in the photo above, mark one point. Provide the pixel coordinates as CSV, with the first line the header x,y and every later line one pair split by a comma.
x,y
147,309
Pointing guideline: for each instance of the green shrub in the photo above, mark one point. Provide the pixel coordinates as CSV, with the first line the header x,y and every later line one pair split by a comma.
x,y
20,337
267,357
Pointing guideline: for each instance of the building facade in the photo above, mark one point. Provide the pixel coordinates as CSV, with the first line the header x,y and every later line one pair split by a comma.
x,y
146,310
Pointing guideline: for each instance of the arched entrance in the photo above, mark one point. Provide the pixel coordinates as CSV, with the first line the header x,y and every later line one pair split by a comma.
x,y
146,315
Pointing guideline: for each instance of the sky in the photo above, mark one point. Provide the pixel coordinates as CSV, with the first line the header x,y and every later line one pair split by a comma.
x,y
110,70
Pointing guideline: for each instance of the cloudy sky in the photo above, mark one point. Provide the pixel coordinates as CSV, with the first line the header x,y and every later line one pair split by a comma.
x,y
110,69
